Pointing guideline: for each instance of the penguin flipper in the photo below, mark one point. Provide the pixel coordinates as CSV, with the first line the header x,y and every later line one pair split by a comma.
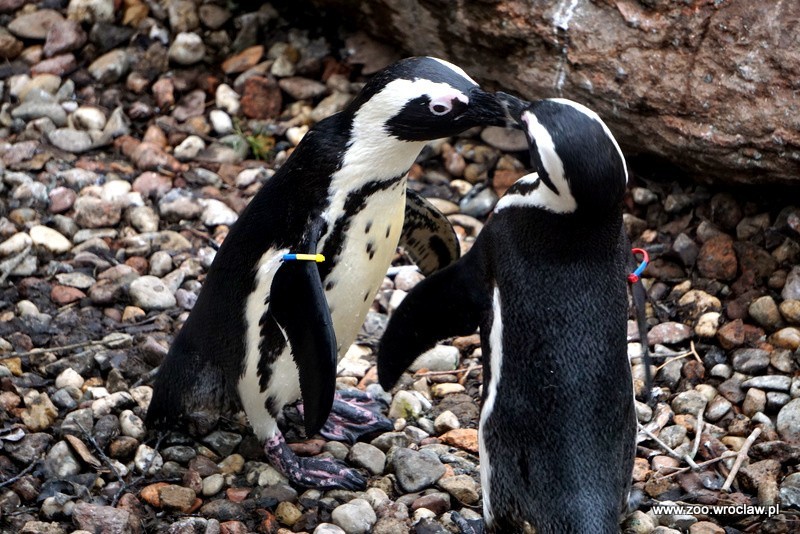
x,y
451,302
298,304
428,237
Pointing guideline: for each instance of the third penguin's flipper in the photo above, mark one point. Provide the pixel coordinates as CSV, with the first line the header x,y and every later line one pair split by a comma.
x,y
428,237
297,301
451,302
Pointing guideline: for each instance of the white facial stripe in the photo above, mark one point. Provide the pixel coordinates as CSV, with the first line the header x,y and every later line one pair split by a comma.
x,y
455,68
594,116
496,366
542,197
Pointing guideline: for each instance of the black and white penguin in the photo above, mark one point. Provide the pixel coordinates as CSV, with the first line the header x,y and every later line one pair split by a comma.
x,y
266,329
546,282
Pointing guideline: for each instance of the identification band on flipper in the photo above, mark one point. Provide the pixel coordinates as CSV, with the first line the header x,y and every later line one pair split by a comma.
x,y
319,258
639,300
636,275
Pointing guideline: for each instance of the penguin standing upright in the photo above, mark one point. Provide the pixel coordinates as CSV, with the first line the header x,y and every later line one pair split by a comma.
x,y
268,324
546,282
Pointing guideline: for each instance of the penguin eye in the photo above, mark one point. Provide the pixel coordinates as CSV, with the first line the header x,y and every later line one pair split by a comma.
x,y
439,107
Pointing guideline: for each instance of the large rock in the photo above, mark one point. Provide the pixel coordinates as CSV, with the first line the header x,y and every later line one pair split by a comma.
x,y
708,85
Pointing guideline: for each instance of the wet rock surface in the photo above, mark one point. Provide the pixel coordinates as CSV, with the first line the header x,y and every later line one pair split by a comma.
x,y
122,173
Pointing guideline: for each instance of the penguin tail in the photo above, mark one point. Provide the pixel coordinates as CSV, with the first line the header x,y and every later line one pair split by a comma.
x,y
452,302
188,392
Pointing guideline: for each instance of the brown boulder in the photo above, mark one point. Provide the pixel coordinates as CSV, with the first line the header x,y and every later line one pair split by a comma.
x,y
708,85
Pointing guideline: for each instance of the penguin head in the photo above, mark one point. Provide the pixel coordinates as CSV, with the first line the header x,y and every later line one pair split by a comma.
x,y
580,166
419,99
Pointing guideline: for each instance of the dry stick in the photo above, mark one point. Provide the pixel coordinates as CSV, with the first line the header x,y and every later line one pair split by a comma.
x,y
666,448
701,465
453,372
103,456
10,264
740,458
464,377
21,474
698,432
80,345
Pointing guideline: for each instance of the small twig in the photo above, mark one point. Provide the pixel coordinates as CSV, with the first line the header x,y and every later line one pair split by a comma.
x,y
464,377
666,448
61,348
453,372
674,358
21,474
701,465
693,350
12,263
88,437
698,431
147,378
740,458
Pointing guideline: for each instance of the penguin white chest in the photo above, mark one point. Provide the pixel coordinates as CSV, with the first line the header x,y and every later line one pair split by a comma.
x,y
368,247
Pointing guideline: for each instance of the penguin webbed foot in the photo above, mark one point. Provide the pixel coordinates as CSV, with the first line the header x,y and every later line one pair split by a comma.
x,y
354,414
468,526
322,473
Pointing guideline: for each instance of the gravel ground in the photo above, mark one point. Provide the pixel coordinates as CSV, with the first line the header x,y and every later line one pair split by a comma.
x,y
130,138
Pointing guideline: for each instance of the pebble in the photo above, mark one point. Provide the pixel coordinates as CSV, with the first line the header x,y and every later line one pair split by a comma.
x,y
669,333
60,462
131,425
147,456
367,456
355,517
405,405
788,423
328,528
187,49
189,148
790,491
445,422
717,259
439,358
213,484
217,213
221,122
227,99
109,67
97,518
50,239
786,338
69,140
150,293
689,402
462,487
35,25
750,361
765,312
28,111
790,309
69,378
415,470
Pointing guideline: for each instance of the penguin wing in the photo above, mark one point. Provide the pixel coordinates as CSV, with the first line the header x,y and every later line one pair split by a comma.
x,y
298,304
451,302
428,237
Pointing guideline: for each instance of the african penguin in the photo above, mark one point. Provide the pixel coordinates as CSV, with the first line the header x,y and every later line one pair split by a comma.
x,y
546,282
265,331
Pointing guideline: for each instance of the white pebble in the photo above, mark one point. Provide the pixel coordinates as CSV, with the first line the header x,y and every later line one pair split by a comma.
x,y
189,148
221,122
50,239
227,99
69,378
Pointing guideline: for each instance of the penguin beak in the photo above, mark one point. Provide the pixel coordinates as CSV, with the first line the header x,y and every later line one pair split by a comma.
x,y
513,107
485,109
